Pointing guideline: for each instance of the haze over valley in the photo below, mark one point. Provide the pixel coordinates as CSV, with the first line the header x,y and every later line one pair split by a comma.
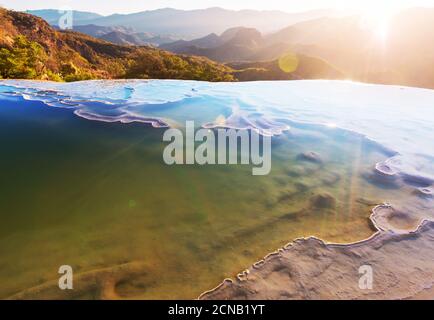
x,y
324,43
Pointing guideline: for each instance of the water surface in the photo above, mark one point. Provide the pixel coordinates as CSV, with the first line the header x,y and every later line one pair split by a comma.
x,y
97,194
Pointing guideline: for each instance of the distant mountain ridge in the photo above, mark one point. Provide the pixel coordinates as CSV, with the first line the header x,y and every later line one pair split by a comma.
x,y
234,44
122,38
98,31
123,35
52,16
405,55
190,24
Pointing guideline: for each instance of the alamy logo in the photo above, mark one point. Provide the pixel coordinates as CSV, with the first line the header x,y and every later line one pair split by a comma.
x,y
65,281
218,146
367,277
66,18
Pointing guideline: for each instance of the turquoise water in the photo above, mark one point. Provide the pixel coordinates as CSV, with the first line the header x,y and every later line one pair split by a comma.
x,y
97,195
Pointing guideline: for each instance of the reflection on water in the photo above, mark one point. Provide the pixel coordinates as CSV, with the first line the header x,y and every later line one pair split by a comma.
x,y
98,196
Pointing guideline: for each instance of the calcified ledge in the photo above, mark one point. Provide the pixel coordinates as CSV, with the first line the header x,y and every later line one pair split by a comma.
x,y
401,256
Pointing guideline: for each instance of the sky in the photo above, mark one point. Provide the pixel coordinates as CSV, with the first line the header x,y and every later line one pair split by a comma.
x,y
127,6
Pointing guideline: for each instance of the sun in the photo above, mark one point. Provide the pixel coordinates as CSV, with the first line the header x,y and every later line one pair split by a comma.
x,y
377,17
375,14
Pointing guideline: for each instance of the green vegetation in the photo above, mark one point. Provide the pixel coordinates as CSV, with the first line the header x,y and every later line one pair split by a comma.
x,y
25,60
31,49
71,72
163,65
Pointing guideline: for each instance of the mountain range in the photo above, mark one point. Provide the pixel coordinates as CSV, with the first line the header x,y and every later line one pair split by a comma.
x,y
123,35
52,16
235,44
404,55
330,46
188,24
32,49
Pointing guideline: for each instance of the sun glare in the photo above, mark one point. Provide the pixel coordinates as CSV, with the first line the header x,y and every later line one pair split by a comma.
x,y
375,14
377,18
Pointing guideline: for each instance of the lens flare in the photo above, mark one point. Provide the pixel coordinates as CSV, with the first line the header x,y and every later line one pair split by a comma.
x,y
288,62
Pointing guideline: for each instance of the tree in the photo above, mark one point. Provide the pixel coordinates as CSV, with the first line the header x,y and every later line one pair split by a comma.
x,y
25,60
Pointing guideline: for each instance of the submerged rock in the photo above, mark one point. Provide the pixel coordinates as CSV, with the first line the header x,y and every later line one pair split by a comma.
x,y
425,192
331,178
296,171
385,170
368,202
281,180
383,175
323,201
286,196
310,156
301,187
417,181
388,218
